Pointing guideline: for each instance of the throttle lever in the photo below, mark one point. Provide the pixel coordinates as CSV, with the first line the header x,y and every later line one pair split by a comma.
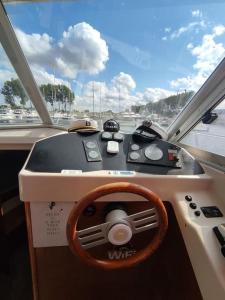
x,y
220,237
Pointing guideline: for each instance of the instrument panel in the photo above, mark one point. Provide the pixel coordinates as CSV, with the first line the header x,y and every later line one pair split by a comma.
x,y
87,152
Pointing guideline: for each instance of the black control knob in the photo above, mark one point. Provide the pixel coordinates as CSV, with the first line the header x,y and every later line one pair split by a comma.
x,y
197,213
111,126
193,205
188,198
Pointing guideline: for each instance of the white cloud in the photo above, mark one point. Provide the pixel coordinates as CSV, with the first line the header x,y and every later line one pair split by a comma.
x,y
190,46
164,38
120,94
196,13
4,61
189,83
190,27
124,82
34,44
43,77
155,94
6,75
167,29
218,30
6,70
81,49
208,54
117,95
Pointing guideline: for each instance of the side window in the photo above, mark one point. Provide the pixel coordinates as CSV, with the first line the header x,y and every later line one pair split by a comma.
x,y
209,136
15,107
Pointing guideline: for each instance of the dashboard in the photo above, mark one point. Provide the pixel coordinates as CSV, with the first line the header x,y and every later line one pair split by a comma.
x,y
143,151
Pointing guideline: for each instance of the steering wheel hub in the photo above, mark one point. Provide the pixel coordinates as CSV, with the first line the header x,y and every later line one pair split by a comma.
x,y
119,234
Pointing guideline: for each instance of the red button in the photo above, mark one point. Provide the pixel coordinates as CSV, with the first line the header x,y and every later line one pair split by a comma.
x,y
171,157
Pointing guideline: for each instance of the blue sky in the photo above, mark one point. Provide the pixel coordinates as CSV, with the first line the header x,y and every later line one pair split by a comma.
x,y
153,49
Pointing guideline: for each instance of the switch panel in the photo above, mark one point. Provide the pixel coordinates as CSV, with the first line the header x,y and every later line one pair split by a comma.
x,y
211,212
92,151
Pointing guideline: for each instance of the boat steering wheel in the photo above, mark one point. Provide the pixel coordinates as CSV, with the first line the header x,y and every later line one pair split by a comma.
x,y
118,231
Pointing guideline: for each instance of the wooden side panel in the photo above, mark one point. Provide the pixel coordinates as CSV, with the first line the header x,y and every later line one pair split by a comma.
x,y
32,252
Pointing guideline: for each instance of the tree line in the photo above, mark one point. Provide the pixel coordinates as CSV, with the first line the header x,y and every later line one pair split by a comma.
x,y
62,97
167,107
56,95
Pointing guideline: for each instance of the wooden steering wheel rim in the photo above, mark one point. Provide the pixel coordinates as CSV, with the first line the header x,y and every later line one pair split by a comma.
x,y
103,190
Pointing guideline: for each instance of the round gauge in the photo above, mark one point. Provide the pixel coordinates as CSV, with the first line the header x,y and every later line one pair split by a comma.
x,y
91,145
153,152
135,147
134,155
93,154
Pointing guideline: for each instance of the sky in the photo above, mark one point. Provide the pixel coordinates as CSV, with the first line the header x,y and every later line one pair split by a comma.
x,y
127,52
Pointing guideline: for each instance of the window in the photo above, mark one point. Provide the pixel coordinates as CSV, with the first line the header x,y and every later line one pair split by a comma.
x,y
209,137
15,107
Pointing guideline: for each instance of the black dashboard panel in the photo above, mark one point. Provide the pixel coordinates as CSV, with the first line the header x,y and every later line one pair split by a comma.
x,y
69,152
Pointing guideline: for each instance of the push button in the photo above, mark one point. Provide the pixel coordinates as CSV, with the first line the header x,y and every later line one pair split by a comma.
x,y
172,155
197,213
193,205
93,154
118,137
188,198
107,136
91,145
135,147
134,155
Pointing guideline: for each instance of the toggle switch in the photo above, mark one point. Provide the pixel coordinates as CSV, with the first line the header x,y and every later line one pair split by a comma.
x,y
220,234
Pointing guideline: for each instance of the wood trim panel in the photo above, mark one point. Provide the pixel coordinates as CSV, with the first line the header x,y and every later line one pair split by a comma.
x,y
32,252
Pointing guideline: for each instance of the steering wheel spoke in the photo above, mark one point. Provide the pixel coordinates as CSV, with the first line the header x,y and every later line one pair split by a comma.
x,y
145,220
93,236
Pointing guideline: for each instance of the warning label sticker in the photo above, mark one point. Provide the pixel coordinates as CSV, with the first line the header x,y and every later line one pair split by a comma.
x,y
49,223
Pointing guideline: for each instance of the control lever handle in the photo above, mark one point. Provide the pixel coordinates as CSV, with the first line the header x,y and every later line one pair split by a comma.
x,y
220,238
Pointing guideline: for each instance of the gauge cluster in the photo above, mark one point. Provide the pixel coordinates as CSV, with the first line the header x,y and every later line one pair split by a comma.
x,y
157,152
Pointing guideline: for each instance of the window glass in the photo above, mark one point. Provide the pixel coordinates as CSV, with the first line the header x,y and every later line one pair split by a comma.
x,y
209,137
15,106
129,60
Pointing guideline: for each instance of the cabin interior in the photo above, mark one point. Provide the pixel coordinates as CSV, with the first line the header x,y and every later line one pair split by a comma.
x,y
110,201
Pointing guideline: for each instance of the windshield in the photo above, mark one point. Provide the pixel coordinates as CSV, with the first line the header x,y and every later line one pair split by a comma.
x,y
128,60
209,134
15,106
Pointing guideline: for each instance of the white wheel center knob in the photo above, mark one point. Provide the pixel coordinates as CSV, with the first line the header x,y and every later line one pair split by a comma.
x,y
119,234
